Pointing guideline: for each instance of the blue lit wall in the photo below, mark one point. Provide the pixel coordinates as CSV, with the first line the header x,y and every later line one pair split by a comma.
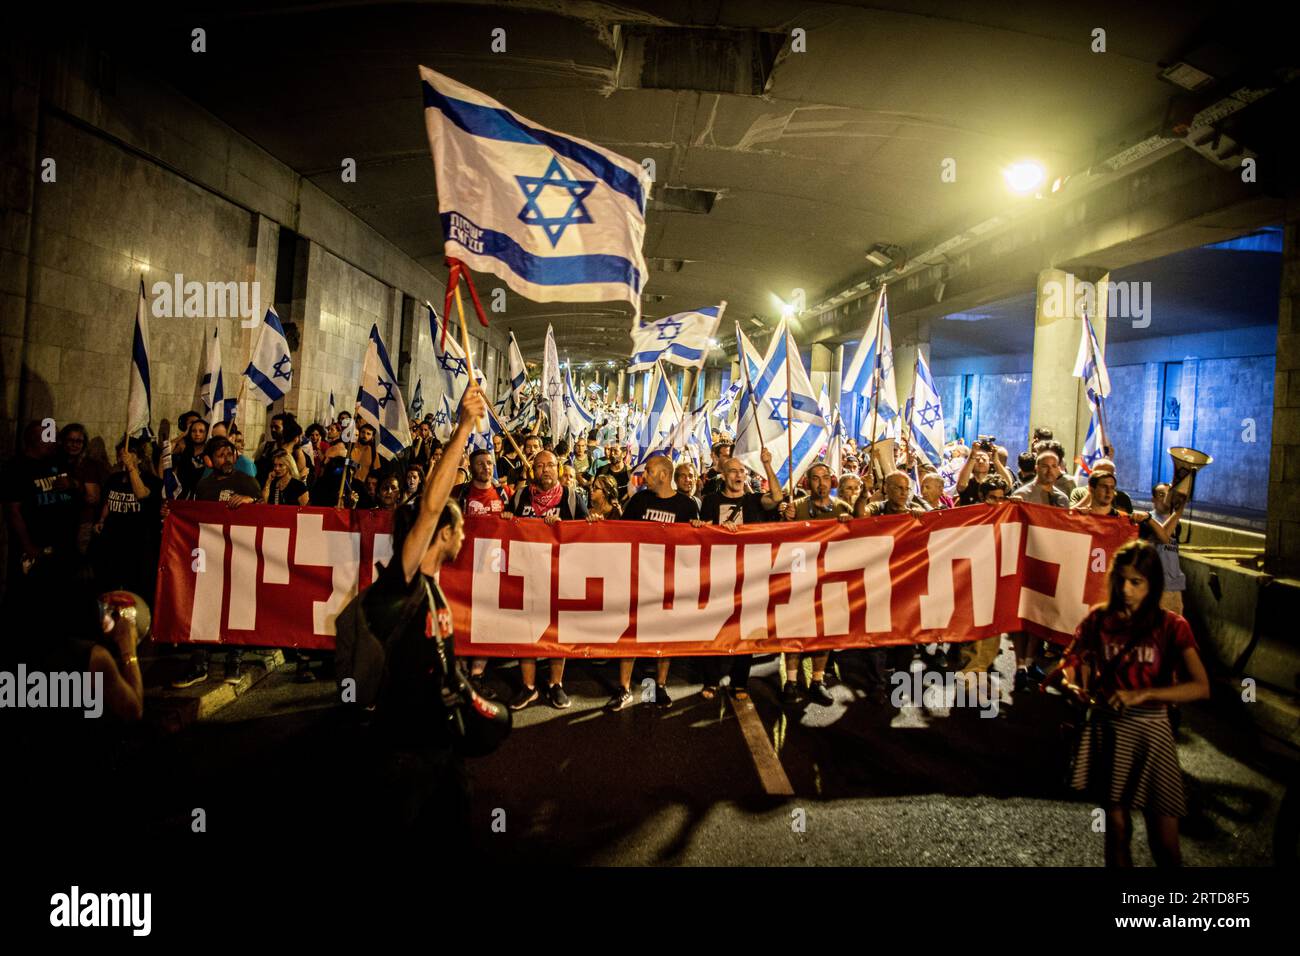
x,y
998,406
1224,408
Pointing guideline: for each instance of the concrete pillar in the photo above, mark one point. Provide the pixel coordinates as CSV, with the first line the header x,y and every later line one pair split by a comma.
x,y
905,361
819,373
1282,541
622,386
1057,398
837,372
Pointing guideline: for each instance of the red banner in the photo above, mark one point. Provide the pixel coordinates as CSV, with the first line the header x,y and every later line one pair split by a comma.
x,y
277,576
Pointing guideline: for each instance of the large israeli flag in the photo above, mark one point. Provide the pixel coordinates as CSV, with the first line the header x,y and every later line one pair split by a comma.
x,y
556,218
379,400
859,380
139,399
681,339
765,412
925,414
270,370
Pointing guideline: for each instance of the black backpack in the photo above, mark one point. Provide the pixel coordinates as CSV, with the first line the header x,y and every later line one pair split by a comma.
x,y
359,655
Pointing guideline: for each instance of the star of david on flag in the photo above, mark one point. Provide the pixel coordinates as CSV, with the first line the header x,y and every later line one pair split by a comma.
x,y
766,387
925,414
681,339
555,176
577,236
270,365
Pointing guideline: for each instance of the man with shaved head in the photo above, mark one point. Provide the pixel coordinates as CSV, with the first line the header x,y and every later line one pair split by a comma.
x,y
658,501
549,500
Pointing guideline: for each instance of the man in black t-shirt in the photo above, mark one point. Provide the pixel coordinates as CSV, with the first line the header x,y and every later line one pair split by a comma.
x,y
732,507
616,468
658,501
426,792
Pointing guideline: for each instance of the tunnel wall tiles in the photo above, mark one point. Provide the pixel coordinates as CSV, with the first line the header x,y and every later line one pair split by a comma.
x,y
111,215
1234,423
999,407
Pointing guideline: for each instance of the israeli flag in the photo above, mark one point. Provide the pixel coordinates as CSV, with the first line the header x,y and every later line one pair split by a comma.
x,y
552,396
1092,451
417,401
1090,364
333,414
379,400
835,448
859,378
662,416
765,416
518,374
139,399
722,407
270,371
556,218
581,421
444,417
925,414
212,392
681,339
171,483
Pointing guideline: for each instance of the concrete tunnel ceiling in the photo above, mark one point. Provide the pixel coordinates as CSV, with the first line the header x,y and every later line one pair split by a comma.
x,y
776,170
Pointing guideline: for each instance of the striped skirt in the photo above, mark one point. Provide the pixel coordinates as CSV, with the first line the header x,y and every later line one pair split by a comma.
x,y
1130,759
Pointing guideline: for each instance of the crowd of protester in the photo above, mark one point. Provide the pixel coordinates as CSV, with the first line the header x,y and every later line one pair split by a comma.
x,y
68,510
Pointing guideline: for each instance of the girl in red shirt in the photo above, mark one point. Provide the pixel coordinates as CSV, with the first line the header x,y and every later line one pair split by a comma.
x,y
1130,659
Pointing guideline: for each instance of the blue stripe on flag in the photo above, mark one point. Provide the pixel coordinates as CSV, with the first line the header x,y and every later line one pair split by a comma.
x,y
141,359
499,124
550,270
681,351
268,388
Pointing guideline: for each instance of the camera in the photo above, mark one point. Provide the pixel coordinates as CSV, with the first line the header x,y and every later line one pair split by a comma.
x,y
986,442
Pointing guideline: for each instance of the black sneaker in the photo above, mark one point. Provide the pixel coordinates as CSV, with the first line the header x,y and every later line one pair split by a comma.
x,y
304,674
194,674
525,697
622,698
790,693
481,688
661,696
1022,680
559,699
234,669
819,694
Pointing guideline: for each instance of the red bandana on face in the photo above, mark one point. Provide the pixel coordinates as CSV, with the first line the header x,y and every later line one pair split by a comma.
x,y
545,501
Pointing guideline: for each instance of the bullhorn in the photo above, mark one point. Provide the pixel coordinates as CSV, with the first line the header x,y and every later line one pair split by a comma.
x,y
1187,462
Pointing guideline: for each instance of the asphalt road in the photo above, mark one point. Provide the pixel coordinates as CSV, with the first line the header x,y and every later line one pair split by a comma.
x,y
688,786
